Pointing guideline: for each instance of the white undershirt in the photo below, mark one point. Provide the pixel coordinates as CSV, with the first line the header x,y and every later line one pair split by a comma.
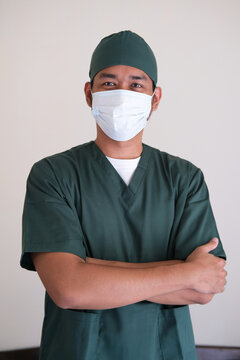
x,y
125,167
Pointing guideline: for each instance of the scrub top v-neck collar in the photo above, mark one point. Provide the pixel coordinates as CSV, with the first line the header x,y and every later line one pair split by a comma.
x,y
126,191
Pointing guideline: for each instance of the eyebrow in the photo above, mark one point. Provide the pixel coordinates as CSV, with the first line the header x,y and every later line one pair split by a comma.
x,y
106,75
132,77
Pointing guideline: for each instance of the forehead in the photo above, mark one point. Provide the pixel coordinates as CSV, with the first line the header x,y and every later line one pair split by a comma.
x,y
120,71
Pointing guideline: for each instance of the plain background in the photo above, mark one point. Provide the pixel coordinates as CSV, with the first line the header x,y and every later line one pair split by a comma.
x,y
46,47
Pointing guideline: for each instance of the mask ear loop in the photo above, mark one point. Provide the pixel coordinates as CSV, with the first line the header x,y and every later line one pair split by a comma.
x,y
153,94
91,96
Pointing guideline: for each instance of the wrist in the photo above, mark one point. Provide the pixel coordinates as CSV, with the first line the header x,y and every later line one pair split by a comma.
x,y
184,275
189,275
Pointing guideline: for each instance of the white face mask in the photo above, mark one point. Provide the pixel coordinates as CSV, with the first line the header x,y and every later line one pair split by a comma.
x,y
121,114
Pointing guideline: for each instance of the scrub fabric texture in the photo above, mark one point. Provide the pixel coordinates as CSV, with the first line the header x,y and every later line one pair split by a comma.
x,y
76,202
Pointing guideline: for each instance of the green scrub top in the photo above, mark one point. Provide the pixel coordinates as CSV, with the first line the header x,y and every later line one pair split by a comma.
x,y
76,202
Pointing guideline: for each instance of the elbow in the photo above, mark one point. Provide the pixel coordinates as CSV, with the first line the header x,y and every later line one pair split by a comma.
x,y
70,299
66,294
67,301
62,302
76,302
61,299
66,298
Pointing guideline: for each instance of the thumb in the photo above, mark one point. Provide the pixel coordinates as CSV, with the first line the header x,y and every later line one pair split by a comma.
x,y
211,245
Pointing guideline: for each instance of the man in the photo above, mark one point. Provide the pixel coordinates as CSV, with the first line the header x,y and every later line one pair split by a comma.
x,y
120,232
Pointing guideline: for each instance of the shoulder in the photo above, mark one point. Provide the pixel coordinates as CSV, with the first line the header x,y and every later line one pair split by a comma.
x,y
63,163
172,165
57,176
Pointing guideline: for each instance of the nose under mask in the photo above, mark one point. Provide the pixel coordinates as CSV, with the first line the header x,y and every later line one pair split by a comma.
x,y
121,114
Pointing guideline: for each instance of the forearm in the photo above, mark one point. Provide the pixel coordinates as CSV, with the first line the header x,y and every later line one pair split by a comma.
x,y
104,287
131,265
80,285
182,297
74,283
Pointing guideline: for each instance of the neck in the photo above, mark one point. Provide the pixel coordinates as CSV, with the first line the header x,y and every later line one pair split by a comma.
x,y
130,149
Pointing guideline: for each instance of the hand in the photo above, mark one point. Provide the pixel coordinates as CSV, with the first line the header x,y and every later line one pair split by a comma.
x,y
208,274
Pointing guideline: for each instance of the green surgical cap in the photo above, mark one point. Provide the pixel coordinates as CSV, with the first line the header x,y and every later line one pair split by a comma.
x,y
124,48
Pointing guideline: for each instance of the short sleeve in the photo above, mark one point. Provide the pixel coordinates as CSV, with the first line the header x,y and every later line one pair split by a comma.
x,y
50,222
197,225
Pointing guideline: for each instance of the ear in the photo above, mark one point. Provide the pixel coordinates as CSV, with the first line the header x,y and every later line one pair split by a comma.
x,y
156,98
88,93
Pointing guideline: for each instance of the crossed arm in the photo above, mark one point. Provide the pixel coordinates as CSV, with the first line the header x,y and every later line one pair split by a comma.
x,y
74,283
179,297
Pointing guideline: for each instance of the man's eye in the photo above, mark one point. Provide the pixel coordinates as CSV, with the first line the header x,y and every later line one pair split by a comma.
x,y
136,85
109,83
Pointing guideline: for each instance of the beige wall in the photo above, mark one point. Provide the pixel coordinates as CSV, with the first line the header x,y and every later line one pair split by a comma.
x,y
45,53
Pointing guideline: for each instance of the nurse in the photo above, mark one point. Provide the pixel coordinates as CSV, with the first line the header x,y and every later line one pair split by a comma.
x,y
122,235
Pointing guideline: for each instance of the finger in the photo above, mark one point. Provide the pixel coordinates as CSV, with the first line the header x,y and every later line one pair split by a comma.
x,y
222,262
211,245
224,272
